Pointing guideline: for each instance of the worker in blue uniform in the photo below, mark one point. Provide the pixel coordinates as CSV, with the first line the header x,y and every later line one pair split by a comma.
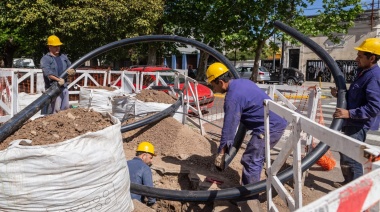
x,y
139,170
244,102
363,105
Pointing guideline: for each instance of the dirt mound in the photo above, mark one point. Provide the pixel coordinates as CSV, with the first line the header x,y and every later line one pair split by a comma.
x,y
58,127
147,95
170,138
102,87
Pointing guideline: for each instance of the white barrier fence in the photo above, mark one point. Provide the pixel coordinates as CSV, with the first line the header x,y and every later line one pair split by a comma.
x,y
130,81
357,150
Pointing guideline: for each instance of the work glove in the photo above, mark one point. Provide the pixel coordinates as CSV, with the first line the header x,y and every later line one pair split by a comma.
x,y
71,72
219,161
61,81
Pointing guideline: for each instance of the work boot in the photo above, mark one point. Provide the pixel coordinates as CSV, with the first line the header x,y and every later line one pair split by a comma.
x,y
347,175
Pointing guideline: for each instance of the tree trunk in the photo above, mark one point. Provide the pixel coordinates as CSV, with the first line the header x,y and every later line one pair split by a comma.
x,y
201,73
260,45
9,50
152,55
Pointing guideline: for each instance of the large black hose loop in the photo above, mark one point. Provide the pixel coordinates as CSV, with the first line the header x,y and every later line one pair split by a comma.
x,y
242,192
195,196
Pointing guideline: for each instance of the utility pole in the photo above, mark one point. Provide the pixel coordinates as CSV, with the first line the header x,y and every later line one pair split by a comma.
x,y
281,81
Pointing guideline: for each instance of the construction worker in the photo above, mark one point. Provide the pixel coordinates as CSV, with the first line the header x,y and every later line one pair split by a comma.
x,y
53,64
244,103
139,170
363,105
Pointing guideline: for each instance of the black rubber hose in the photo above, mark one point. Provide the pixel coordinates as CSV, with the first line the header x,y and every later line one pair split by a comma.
x,y
251,189
21,117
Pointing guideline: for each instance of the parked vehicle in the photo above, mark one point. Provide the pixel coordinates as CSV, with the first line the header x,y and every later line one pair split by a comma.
x,y
292,76
205,94
246,73
23,63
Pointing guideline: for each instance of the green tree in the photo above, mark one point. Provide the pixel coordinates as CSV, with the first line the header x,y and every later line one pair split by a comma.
x,y
243,24
83,25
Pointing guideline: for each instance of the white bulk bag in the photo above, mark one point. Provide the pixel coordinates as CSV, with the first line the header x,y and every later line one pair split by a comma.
x,y
97,99
122,105
86,173
143,108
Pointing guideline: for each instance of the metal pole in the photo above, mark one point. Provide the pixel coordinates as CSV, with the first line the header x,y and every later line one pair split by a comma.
x,y
281,81
274,53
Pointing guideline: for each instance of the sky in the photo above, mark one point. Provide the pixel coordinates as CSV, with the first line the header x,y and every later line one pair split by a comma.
x,y
313,9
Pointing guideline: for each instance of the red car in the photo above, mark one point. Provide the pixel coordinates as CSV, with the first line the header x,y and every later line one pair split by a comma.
x,y
205,94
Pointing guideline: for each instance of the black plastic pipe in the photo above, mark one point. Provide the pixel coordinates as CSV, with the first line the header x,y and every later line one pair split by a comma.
x,y
231,193
21,117
251,189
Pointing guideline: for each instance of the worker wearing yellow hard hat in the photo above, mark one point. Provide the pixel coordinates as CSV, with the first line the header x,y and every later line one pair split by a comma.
x,y
243,103
363,104
53,65
139,169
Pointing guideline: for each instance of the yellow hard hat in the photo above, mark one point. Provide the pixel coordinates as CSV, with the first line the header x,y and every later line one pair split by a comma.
x,y
53,41
145,146
371,45
215,70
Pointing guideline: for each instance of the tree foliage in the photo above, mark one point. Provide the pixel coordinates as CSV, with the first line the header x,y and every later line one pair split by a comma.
x,y
82,25
243,24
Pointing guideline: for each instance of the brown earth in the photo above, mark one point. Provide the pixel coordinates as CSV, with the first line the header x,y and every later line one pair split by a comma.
x,y
58,127
101,87
147,95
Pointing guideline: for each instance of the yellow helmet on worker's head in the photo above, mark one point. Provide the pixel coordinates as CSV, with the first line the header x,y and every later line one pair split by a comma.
x,y
145,146
53,41
371,45
215,70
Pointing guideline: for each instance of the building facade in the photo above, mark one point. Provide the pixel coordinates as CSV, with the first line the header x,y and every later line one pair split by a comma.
x,y
367,25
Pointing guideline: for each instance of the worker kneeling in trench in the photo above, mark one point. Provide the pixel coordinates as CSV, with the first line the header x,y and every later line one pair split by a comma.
x,y
139,170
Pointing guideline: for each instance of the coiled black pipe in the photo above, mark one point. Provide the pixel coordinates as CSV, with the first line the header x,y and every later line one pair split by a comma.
x,y
232,193
251,189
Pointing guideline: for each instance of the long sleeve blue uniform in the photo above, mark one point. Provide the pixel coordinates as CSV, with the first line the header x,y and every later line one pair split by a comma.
x,y
363,100
244,103
363,104
55,66
140,173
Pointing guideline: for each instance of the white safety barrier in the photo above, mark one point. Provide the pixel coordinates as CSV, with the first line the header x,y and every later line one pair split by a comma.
x,y
359,195
8,95
357,150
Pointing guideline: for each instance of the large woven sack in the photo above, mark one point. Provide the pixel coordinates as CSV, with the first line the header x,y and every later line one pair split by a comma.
x,y
97,98
86,173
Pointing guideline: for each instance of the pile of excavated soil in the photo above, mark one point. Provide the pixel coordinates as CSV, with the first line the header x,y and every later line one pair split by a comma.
x,y
147,95
182,146
58,127
101,87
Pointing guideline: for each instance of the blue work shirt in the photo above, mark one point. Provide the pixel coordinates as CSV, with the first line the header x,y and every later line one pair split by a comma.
x,y
363,99
244,102
49,66
141,174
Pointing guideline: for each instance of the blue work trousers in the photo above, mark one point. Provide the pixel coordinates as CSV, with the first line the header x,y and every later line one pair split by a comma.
x,y
61,102
254,156
359,134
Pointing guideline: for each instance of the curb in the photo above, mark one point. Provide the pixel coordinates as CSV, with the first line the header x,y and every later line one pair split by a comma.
x,y
218,95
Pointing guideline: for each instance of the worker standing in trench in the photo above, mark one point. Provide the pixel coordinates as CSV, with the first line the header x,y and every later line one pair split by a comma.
x,y
244,102
363,105
139,170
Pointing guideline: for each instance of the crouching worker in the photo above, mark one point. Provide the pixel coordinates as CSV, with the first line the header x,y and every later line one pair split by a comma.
x,y
139,170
